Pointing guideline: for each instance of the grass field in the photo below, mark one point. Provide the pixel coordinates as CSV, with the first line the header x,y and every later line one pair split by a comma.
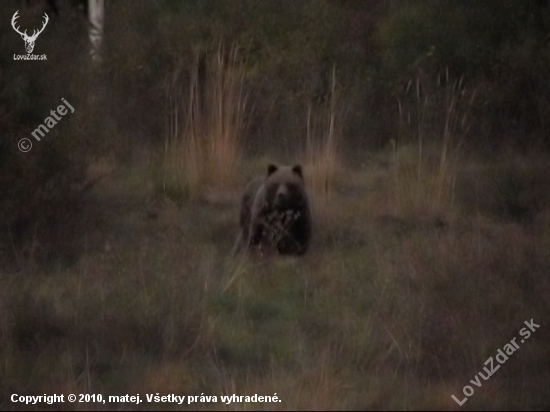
x,y
398,304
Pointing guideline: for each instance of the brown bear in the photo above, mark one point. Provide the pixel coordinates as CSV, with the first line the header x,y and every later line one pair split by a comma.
x,y
275,212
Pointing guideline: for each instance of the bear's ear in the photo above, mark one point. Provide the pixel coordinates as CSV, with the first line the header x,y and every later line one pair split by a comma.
x,y
271,168
298,170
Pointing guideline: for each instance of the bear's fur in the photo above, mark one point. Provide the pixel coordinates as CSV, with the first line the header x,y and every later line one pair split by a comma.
x,y
275,212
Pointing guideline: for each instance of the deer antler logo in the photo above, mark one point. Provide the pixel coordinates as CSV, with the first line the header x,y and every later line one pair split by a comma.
x,y
29,40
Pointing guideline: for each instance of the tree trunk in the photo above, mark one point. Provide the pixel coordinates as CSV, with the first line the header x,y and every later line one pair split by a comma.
x,y
96,13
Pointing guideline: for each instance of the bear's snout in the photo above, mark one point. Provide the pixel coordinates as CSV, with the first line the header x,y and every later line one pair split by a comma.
x,y
282,196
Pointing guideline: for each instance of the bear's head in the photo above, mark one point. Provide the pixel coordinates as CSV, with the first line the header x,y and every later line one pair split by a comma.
x,y
285,187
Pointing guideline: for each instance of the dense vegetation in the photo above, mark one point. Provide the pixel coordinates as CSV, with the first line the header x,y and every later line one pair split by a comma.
x,y
423,127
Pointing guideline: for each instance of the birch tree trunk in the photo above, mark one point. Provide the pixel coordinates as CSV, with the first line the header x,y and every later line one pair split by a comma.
x,y
96,13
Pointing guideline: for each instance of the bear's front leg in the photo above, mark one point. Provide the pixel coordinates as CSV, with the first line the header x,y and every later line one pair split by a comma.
x,y
256,233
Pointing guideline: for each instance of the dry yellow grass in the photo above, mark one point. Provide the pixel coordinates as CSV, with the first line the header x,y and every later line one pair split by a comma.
x,y
427,153
323,144
204,127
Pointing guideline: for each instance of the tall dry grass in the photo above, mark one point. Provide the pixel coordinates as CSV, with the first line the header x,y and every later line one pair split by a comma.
x,y
205,122
432,128
323,144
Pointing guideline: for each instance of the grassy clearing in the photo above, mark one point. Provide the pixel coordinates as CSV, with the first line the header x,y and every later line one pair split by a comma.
x,y
386,311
